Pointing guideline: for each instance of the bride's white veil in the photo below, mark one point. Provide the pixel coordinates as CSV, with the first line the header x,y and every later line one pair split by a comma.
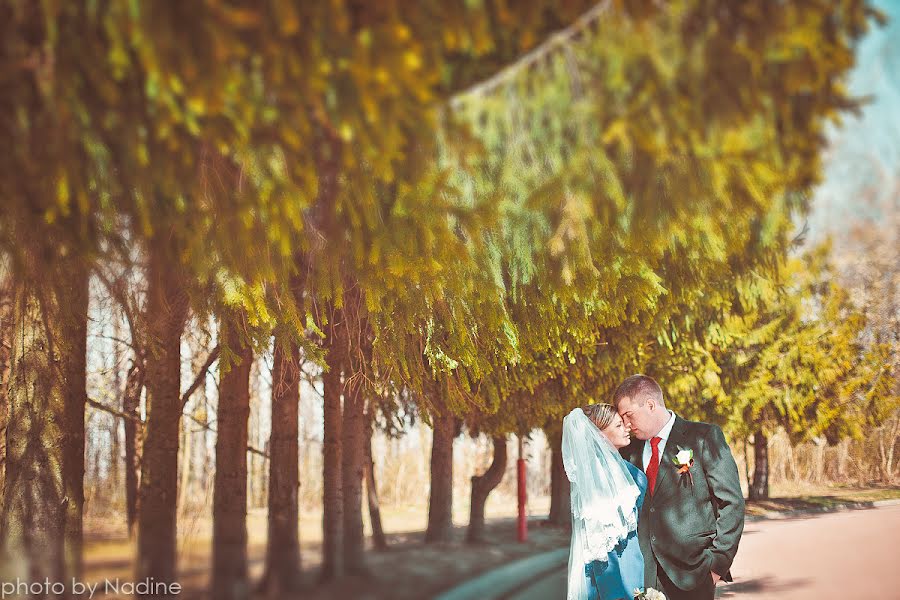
x,y
604,496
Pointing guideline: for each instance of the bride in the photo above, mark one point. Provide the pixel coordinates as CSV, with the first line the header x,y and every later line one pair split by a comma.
x,y
605,560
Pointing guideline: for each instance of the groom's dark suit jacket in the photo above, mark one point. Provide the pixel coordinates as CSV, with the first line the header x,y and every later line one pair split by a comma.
x,y
691,529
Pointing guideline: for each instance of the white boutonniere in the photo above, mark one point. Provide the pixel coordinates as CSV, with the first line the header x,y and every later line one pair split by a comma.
x,y
684,460
650,594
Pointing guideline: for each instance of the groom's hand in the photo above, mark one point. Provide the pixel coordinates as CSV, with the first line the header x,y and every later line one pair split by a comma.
x,y
716,577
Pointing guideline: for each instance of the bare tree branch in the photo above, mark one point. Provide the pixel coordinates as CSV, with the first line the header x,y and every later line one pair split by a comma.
x,y
113,411
201,375
117,291
205,425
556,40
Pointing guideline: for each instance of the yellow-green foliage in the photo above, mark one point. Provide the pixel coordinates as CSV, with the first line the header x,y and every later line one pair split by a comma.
x,y
794,358
526,243
641,168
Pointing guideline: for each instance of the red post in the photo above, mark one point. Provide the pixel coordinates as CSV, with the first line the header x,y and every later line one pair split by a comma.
x,y
523,523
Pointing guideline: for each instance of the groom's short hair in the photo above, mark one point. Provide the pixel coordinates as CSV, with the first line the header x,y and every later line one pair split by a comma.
x,y
639,388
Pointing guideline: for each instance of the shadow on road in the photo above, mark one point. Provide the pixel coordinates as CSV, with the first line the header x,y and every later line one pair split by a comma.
x,y
761,584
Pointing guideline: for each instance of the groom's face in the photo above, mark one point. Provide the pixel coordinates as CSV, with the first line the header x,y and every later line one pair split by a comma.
x,y
638,417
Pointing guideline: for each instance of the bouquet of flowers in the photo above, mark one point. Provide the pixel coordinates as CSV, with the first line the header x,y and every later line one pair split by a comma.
x,y
648,594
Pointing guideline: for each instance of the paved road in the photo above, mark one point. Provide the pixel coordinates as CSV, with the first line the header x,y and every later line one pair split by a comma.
x,y
836,556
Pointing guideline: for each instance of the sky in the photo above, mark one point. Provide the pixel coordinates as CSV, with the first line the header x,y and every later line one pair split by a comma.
x,y
864,152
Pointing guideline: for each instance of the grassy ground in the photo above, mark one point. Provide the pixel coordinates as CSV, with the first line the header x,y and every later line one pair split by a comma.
x,y
810,497
403,572
410,569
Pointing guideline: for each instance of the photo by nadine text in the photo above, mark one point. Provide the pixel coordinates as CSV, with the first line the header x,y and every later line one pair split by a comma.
x,y
83,589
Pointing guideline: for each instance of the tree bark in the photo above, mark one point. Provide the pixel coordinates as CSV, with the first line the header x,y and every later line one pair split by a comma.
x,y
746,462
115,446
131,402
115,457
256,476
887,439
482,486
282,570
818,467
560,490
791,461
895,429
353,471
378,538
843,458
332,479
184,464
43,493
259,475
167,310
440,501
229,564
6,339
759,488
73,343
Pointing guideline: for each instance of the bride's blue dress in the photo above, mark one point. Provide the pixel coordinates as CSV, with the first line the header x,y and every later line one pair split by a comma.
x,y
624,570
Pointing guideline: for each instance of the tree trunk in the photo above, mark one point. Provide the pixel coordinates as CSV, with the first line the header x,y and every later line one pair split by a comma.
x,y
887,439
93,472
6,339
256,479
43,494
482,486
353,471
184,484
843,458
791,461
229,564
115,457
282,570
167,310
759,488
895,430
560,502
882,455
188,463
131,403
75,299
115,446
378,538
819,465
440,500
746,462
259,475
332,479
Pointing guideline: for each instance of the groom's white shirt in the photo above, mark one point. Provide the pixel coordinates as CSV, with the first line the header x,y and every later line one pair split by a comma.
x,y
664,434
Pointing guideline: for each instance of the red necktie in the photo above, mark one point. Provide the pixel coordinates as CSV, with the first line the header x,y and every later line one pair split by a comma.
x,y
653,467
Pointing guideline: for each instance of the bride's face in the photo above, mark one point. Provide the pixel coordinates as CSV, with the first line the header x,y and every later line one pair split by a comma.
x,y
617,433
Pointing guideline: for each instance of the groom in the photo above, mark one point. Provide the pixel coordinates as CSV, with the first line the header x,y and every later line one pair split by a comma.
x,y
691,522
